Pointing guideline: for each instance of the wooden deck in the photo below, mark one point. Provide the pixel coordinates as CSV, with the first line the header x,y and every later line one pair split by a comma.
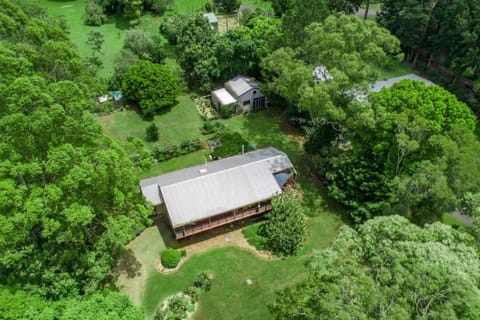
x,y
220,220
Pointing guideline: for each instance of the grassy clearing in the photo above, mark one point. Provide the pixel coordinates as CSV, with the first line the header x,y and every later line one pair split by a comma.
x,y
398,69
177,124
113,31
189,6
452,221
372,7
263,5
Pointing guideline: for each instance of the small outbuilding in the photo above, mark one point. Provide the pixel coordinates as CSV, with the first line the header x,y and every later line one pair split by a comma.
x,y
212,19
207,196
242,91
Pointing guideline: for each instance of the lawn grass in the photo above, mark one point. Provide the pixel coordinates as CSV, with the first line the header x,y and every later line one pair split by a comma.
x,y
230,268
452,221
372,7
396,70
263,5
113,31
175,125
189,6
174,164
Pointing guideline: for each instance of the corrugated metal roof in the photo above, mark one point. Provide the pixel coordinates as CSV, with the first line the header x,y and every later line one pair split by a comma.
x,y
211,17
272,159
224,97
238,86
213,194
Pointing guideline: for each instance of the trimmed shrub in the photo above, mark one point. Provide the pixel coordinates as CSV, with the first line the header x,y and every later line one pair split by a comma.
x,y
192,292
254,236
94,15
152,132
176,150
227,111
170,258
208,7
203,281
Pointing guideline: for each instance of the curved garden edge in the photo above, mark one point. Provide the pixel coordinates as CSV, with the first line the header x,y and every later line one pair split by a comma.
x,y
235,238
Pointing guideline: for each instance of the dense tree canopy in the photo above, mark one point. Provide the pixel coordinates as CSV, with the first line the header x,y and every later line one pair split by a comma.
x,y
410,149
107,305
153,86
445,30
68,198
388,269
347,47
286,228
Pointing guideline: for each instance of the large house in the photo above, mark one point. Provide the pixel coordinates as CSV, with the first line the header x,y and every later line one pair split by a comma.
x,y
219,192
242,91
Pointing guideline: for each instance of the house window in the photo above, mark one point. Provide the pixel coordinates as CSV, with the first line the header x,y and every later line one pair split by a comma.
x,y
254,91
246,102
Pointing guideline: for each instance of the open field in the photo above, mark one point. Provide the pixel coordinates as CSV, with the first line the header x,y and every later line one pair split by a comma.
x,y
175,125
113,31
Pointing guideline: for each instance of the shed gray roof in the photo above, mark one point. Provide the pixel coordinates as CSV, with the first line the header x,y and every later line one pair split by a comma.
x,y
211,17
224,97
206,190
240,85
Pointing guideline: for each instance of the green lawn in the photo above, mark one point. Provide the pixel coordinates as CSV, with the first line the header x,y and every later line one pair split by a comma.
x,y
373,6
398,69
113,31
179,123
189,6
452,221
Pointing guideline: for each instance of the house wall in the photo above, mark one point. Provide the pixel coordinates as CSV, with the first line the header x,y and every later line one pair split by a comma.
x,y
215,101
249,96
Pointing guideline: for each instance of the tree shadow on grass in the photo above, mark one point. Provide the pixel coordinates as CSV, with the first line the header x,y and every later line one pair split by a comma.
x,y
120,22
127,264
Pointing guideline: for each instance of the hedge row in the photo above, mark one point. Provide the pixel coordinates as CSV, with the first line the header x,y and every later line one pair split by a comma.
x,y
176,150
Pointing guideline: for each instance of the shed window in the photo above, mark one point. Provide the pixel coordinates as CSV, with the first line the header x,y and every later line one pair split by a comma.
x,y
246,102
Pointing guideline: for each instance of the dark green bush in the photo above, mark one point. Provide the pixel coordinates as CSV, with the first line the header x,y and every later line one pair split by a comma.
x,y
94,15
228,110
170,258
203,281
152,132
192,292
254,236
208,7
212,127
176,150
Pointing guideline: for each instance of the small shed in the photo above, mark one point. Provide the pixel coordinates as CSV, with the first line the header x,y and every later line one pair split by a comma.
x,y
212,19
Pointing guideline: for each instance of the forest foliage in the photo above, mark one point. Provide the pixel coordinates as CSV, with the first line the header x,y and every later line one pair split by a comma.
x,y
69,200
